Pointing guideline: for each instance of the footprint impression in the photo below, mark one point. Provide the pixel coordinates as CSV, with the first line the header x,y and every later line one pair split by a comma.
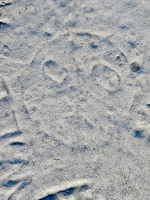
x,y
106,76
12,157
52,69
72,191
98,58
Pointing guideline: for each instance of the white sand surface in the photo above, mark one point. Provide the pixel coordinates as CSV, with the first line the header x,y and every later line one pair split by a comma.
x,y
74,99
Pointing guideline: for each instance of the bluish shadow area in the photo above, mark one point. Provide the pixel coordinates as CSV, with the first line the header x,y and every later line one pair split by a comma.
x,y
5,4
84,187
46,34
62,4
18,161
124,27
72,23
122,55
17,144
68,192
78,70
15,162
148,105
2,166
135,67
106,144
4,25
74,46
84,34
50,63
93,46
33,32
24,184
9,135
139,69
138,134
82,149
5,100
148,139
118,58
11,183
88,10
50,197
132,44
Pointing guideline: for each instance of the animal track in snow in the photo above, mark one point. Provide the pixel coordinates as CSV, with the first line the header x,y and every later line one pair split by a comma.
x,y
53,70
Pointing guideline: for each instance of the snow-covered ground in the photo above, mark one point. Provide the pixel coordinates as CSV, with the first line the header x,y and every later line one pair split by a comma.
x,y
74,99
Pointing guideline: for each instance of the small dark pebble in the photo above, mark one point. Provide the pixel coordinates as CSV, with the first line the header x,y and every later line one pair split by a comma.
x,y
135,67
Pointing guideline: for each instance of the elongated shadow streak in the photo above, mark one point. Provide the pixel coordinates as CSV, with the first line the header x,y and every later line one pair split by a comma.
x,y
9,135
